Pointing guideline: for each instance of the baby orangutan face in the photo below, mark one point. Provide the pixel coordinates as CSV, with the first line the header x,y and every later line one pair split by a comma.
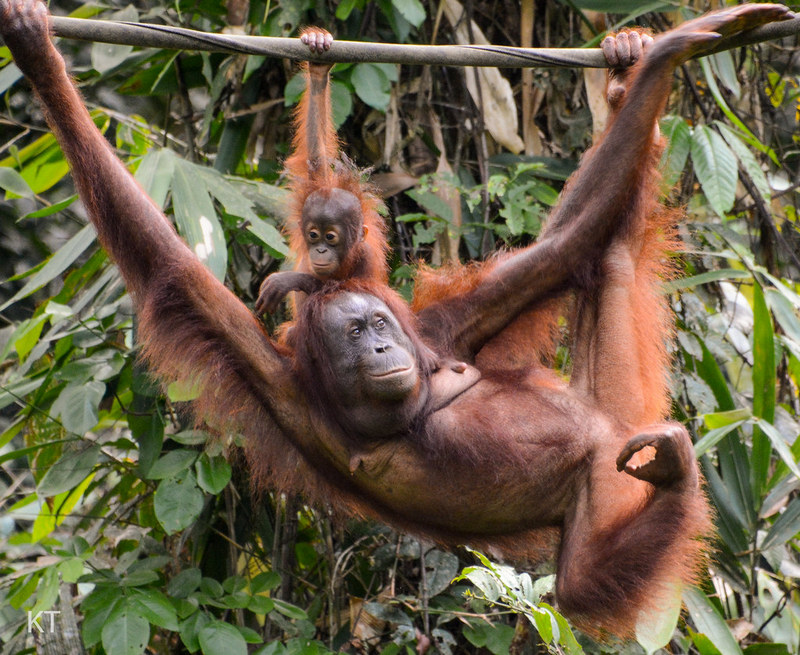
x,y
332,224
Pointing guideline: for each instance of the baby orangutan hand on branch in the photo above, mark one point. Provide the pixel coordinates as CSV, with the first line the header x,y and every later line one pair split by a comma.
x,y
356,415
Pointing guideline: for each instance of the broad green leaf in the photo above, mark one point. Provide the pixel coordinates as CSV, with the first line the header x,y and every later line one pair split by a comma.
x,y
125,632
679,141
197,220
654,630
73,497
713,437
787,314
155,173
294,89
763,387
27,335
77,405
155,607
778,443
190,630
721,419
722,63
13,391
730,114
786,527
287,609
709,623
106,56
345,8
56,265
442,569
269,236
483,580
219,638
172,463
715,167
341,103
184,583
178,502
411,10
545,624
213,473
747,160
10,74
96,608
75,464
265,582
12,181
371,85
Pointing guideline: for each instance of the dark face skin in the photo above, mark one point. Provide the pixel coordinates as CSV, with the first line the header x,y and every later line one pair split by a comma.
x,y
332,223
374,363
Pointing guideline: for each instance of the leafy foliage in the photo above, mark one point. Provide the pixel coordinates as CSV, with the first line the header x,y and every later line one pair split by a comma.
x,y
141,529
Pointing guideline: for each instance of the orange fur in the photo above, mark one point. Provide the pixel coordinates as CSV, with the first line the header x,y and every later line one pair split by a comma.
x,y
334,171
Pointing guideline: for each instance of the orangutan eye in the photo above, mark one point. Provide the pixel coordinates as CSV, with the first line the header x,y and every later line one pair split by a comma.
x,y
380,324
332,238
313,235
355,333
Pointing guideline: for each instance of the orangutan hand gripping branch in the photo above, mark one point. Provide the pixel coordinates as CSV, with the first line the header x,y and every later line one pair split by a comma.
x,y
358,418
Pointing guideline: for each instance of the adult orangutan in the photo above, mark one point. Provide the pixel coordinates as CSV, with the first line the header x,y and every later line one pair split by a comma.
x,y
336,230
487,457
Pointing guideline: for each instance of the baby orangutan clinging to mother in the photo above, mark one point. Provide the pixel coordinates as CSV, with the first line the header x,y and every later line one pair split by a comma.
x,y
357,416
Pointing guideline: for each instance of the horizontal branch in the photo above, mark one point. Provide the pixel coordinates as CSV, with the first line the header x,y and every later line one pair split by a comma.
x,y
178,38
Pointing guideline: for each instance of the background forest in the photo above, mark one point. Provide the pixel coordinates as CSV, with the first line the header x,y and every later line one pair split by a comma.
x,y
144,535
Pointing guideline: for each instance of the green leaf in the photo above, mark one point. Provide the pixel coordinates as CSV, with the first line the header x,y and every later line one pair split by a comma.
x,y
747,160
264,582
178,502
52,209
345,8
713,437
219,638
763,387
710,623
75,464
197,220
679,142
77,405
442,568
654,630
716,168
12,181
172,463
56,265
341,103
106,56
184,583
213,473
287,609
722,63
269,236
155,174
371,85
155,607
730,114
778,443
125,632
411,10
786,527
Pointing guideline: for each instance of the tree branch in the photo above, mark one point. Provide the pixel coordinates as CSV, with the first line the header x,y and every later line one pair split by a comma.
x,y
178,38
